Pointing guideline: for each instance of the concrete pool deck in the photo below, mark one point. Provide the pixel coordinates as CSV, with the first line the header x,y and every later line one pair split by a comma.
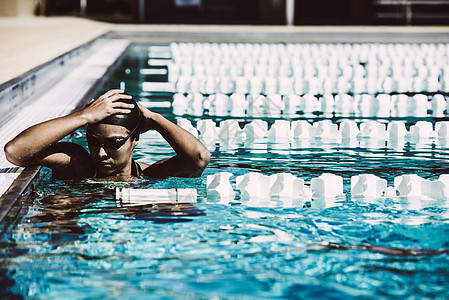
x,y
31,42
28,42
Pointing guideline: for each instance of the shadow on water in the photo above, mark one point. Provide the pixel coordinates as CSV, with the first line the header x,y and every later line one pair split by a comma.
x,y
6,283
59,213
166,213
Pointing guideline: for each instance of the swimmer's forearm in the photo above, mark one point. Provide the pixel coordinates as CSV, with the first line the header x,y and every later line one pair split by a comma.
x,y
25,148
183,142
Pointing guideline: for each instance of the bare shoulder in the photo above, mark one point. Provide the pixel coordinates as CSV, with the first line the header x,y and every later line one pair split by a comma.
x,y
143,166
173,167
156,170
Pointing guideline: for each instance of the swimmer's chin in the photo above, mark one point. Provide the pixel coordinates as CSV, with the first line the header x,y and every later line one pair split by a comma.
x,y
109,172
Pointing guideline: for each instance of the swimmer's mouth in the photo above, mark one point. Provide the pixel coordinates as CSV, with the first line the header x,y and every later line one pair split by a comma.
x,y
105,165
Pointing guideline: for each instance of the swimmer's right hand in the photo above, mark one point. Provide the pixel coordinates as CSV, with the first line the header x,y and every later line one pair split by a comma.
x,y
105,106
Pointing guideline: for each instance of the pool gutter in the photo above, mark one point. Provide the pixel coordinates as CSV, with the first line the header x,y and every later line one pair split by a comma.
x,y
30,84
19,187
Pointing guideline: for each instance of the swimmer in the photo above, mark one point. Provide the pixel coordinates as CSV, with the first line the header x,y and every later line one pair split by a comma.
x,y
114,122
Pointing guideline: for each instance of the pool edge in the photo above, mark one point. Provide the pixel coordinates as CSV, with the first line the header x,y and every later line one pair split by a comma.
x,y
17,188
9,199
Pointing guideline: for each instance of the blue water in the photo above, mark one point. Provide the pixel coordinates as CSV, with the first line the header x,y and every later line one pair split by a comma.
x,y
74,240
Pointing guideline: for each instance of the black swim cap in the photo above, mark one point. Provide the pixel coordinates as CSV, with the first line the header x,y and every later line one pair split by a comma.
x,y
130,120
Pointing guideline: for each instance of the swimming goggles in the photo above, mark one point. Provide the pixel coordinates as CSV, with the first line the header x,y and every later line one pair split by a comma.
x,y
111,143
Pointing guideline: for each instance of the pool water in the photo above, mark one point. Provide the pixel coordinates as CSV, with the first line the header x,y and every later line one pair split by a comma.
x,y
75,240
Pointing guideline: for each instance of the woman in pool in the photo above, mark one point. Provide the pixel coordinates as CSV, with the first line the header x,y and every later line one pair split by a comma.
x,y
114,122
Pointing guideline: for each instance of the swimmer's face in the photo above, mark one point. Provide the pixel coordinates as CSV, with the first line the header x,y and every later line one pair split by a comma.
x,y
111,148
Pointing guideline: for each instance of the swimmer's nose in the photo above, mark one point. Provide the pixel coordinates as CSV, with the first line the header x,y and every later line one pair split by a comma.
x,y
102,153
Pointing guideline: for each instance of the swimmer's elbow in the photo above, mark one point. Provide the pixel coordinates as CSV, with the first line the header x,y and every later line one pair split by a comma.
x,y
11,154
203,160
205,157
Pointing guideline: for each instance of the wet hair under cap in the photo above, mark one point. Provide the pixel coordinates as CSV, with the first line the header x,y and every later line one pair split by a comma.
x,y
130,120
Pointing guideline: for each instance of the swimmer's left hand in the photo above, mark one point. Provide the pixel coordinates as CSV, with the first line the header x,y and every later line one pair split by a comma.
x,y
148,118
